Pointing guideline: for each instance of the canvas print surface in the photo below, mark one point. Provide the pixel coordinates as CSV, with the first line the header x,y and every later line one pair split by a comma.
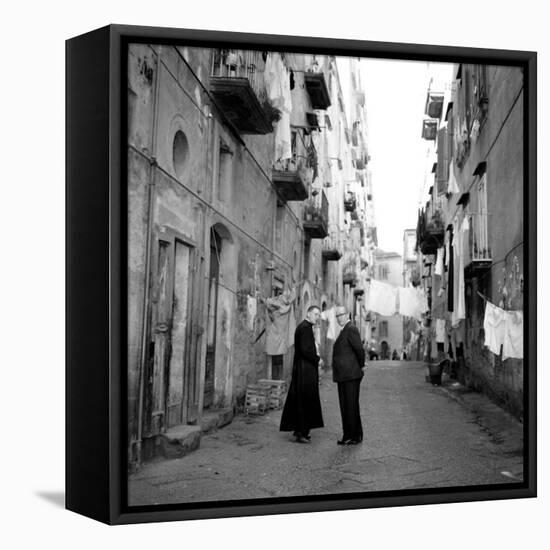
x,y
325,275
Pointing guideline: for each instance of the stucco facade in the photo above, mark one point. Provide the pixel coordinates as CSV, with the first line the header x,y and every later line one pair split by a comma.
x,y
480,133
212,230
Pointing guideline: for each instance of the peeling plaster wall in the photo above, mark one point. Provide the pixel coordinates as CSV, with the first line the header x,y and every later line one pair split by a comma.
x,y
260,240
500,144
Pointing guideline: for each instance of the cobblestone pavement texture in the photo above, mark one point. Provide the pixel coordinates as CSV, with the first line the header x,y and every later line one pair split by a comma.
x,y
416,436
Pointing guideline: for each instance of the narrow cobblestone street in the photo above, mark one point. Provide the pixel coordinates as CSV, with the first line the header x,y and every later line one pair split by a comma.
x,y
416,436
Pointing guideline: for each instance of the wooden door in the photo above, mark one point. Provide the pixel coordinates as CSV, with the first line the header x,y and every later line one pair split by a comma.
x,y
210,370
179,356
159,338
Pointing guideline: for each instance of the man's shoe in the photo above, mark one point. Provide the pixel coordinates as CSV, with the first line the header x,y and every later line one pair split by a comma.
x,y
302,439
353,441
343,442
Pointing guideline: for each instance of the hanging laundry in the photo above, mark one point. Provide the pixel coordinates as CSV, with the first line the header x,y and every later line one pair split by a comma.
x,y
252,307
382,298
512,347
439,261
494,327
475,131
410,302
333,329
452,187
279,322
277,83
460,238
450,273
440,330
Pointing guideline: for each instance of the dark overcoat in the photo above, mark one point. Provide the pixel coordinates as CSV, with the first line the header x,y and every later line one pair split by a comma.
x,y
302,410
348,355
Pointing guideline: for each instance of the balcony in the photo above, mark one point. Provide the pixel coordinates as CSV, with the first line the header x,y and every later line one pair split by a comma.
x,y
429,129
431,231
332,247
317,89
355,134
312,121
434,105
315,221
349,273
237,84
480,260
289,184
350,202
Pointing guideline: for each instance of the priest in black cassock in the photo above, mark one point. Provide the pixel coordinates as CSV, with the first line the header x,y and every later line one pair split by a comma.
x,y
302,410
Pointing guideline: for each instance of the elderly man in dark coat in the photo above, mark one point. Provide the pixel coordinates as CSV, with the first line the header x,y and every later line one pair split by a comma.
x,y
302,410
348,360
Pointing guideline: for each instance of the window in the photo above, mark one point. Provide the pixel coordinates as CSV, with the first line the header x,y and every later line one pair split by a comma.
x,y
383,272
383,329
180,153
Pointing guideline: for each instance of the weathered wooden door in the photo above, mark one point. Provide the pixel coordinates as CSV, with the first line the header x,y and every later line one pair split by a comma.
x,y
215,250
171,369
179,356
159,338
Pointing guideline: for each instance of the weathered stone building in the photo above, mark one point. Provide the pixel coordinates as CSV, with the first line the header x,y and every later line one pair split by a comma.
x,y
238,165
475,214
388,268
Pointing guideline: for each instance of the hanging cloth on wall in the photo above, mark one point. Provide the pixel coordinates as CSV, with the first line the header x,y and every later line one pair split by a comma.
x,y
333,328
277,83
494,326
452,187
512,347
440,330
460,238
439,261
252,307
450,273
278,323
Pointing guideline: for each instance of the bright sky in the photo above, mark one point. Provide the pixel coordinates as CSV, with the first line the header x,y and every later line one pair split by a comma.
x,y
395,94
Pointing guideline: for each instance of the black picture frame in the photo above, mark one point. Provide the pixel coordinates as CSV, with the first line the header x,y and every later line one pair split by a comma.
x,y
96,458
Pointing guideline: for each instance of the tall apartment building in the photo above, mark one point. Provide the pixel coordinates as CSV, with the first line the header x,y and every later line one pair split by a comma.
x,y
474,214
239,168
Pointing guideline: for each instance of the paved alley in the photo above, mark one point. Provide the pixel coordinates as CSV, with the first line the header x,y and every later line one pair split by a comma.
x,y
416,436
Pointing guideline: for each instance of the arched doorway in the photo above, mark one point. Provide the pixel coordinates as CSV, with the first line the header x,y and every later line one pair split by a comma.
x,y
384,350
220,268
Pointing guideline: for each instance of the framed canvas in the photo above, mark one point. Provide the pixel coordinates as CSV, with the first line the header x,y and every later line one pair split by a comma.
x,y
301,274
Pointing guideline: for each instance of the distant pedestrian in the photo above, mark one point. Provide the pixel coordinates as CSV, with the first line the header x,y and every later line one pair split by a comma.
x,y
394,355
348,360
302,410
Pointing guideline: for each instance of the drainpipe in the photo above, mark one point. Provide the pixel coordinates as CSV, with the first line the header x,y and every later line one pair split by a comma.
x,y
150,214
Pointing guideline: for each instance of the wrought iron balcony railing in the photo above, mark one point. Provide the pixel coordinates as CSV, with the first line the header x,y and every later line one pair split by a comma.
x,y
332,246
480,259
315,221
237,83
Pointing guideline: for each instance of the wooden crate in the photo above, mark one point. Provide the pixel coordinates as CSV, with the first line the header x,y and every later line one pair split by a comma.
x,y
257,399
277,392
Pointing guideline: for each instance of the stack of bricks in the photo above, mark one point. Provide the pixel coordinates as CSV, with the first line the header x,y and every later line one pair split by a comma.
x,y
257,399
277,392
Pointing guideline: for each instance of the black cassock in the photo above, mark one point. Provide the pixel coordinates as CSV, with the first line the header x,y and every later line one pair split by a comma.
x,y
302,410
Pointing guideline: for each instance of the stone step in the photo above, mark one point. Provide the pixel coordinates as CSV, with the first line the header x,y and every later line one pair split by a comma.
x,y
215,419
179,440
